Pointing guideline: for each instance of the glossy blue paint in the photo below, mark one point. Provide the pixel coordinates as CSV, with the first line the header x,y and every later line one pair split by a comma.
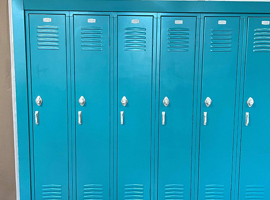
x,y
219,72
22,113
149,6
135,67
177,66
50,137
255,151
142,154
92,81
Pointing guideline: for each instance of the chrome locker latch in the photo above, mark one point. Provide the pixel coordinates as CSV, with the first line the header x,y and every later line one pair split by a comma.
x,y
166,101
37,117
163,118
122,117
247,119
208,101
250,102
80,117
204,118
39,100
82,101
124,101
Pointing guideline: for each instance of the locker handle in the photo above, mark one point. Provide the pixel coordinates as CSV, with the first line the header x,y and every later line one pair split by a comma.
x,y
80,117
37,117
247,118
163,118
204,118
122,117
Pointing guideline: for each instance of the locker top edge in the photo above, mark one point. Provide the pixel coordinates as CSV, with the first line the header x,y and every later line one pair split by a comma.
x,y
149,6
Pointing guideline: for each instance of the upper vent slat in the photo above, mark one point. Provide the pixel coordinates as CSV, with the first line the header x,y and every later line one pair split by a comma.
x,y
51,192
135,39
93,191
261,42
221,40
254,192
214,192
47,37
134,192
92,38
178,40
174,192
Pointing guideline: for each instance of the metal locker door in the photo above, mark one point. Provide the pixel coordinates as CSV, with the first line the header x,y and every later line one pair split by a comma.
x,y
135,63
177,65
255,148
219,74
92,92
49,99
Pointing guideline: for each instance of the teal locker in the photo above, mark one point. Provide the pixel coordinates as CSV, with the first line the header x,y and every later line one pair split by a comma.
x,y
255,149
177,66
218,98
134,66
48,55
92,95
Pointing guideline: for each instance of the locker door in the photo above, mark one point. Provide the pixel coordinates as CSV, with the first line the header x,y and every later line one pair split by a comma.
x,y
220,62
178,36
135,64
255,148
49,81
92,83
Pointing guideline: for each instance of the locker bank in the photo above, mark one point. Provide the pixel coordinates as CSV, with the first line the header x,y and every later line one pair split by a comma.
x,y
142,100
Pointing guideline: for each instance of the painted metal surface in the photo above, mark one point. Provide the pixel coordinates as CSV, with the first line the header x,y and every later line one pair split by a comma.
x,y
149,6
134,75
135,63
18,40
255,151
50,135
177,65
92,81
219,72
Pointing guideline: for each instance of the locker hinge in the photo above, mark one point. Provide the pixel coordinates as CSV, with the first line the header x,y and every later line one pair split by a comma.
x,y
109,41
150,193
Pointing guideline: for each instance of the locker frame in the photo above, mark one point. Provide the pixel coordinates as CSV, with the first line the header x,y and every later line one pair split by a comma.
x,y
194,170
17,10
74,100
237,95
67,22
150,6
242,101
153,100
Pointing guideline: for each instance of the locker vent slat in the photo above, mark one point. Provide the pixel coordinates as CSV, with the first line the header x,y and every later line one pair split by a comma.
x,y
174,191
135,39
51,192
221,40
91,38
48,37
261,40
93,192
214,192
254,192
178,39
134,191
